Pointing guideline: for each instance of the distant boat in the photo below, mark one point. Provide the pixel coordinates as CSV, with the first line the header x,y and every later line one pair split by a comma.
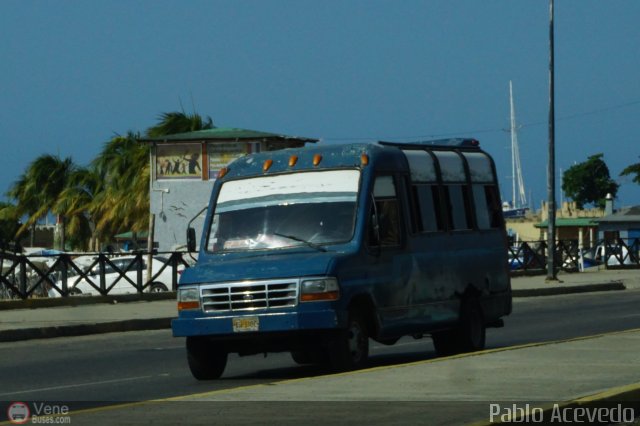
x,y
510,212
517,207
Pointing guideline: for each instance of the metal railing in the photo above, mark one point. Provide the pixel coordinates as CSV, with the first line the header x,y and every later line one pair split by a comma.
x,y
531,256
62,275
68,274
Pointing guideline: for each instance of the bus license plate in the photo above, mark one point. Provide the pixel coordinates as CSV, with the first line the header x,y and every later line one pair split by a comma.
x,y
241,324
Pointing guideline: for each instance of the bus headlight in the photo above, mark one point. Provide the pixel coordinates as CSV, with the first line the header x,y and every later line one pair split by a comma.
x,y
319,289
188,298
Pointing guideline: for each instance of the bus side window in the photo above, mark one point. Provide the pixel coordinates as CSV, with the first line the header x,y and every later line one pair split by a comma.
x,y
494,206
428,205
459,207
385,215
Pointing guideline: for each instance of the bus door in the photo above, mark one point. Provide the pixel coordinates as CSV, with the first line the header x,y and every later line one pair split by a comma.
x,y
390,264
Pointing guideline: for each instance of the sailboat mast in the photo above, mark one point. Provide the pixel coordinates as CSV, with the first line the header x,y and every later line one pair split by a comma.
x,y
513,151
518,181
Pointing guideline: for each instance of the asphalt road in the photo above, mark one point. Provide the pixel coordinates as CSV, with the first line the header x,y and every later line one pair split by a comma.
x,y
136,366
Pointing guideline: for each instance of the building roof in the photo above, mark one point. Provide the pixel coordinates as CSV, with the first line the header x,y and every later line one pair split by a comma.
x,y
227,134
627,214
142,235
565,222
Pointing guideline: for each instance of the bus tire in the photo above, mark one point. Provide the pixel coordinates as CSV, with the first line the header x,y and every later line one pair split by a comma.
x,y
468,336
446,342
473,329
349,349
302,357
206,361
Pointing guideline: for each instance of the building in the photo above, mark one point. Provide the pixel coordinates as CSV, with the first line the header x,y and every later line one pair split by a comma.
x,y
571,224
623,224
580,229
184,167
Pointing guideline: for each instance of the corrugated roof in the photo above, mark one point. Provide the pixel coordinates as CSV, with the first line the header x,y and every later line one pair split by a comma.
x,y
563,222
142,235
226,134
628,214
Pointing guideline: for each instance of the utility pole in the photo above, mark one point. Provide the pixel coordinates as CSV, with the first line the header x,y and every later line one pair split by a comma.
x,y
551,166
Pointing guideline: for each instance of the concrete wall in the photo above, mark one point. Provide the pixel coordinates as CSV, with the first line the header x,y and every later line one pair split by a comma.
x,y
175,203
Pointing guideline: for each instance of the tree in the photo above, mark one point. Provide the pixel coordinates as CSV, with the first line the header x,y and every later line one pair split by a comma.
x,y
178,122
633,169
9,223
122,204
589,182
76,204
37,190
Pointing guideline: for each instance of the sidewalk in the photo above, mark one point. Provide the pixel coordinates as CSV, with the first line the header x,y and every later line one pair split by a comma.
x,y
115,314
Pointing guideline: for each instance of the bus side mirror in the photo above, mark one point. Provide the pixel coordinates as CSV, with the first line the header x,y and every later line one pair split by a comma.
x,y
191,239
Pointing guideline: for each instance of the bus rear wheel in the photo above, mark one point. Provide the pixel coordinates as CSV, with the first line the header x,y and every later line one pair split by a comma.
x,y
468,336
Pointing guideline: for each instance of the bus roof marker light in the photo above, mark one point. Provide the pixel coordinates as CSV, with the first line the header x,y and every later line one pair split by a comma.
x,y
317,159
364,160
293,160
267,164
222,172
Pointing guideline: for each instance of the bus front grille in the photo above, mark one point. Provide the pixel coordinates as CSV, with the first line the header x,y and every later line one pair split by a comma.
x,y
249,296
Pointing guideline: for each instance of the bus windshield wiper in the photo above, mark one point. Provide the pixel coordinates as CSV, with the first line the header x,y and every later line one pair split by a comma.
x,y
309,243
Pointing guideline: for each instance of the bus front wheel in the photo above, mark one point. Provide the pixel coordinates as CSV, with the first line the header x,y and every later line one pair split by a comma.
x,y
206,360
349,350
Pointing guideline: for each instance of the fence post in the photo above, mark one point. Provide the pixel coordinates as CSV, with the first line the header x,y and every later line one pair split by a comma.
x,y
103,284
23,277
139,263
64,274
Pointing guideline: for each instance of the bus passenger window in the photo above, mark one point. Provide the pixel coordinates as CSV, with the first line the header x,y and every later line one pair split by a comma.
x,y
388,215
460,208
429,213
493,203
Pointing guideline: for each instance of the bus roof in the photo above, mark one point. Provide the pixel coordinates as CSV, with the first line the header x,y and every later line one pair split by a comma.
x,y
445,143
338,155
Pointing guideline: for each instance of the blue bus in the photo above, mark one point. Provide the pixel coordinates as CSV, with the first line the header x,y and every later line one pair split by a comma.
x,y
317,250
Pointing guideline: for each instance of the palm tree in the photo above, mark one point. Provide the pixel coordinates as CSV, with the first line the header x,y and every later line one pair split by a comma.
x,y
37,190
123,202
633,169
76,203
178,122
9,223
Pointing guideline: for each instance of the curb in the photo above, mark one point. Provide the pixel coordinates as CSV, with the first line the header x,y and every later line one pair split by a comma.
x,y
85,300
553,291
15,335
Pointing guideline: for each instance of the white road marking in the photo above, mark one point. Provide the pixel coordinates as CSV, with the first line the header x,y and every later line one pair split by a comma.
x,y
77,385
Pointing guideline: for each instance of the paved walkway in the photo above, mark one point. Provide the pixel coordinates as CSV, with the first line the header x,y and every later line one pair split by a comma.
x,y
112,315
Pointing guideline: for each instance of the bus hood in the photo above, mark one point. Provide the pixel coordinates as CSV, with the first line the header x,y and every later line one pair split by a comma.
x,y
258,267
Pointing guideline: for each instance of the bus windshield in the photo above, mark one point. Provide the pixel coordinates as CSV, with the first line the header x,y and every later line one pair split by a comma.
x,y
282,211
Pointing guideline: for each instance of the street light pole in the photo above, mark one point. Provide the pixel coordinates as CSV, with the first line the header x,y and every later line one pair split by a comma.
x,y
551,166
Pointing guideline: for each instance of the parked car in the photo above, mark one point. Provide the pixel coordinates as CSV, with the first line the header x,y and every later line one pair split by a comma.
x,y
115,281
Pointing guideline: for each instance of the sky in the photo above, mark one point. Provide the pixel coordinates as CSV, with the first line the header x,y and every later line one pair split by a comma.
x,y
76,73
